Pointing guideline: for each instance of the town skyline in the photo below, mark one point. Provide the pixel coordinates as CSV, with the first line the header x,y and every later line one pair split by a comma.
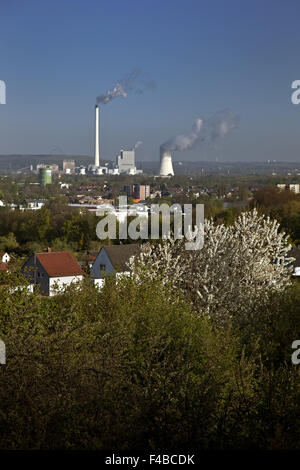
x,y
197,57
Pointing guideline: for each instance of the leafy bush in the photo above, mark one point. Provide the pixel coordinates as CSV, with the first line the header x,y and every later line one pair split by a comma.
x,y
130,367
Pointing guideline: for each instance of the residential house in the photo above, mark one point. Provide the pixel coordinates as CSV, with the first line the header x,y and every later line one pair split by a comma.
x,y
52,271
4,257
292,187
4,260
112,259
295,253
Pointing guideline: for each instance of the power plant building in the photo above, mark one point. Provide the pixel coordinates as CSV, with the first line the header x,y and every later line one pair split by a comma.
x,y
53,167
126,161
69,166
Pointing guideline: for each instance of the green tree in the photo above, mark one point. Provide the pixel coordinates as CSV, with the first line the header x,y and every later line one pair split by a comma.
x,y
8,243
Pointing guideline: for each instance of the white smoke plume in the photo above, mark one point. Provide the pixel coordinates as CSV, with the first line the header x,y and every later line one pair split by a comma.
x,y
138,144
135,80
209,130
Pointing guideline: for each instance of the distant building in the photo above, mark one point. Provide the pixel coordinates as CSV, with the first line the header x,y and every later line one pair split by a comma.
x,y
294,187
81,170
52,271
141,191
53,167
125,164
97,170
45,176
35,205
69,166
126,161
291,187
137,191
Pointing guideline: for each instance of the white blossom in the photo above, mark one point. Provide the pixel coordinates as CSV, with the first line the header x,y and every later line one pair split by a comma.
x,y
236,266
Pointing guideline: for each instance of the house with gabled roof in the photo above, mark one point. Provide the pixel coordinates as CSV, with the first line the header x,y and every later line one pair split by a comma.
x,y
113,259
52,271
4,257
4,260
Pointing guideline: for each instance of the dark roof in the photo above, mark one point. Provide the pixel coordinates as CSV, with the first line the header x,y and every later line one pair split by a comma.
x,y
295,253
119,254
59,263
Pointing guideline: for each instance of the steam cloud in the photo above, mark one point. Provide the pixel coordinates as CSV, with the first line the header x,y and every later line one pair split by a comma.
x,y
135,80
209,130
138,144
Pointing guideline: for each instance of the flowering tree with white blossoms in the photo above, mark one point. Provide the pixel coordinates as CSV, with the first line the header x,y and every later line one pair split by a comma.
x,y
236,266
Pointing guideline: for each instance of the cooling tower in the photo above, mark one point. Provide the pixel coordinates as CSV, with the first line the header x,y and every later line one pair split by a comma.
x,y
166,167
97,158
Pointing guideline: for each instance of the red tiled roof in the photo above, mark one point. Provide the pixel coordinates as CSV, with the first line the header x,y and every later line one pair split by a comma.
x,y
3,266
59,263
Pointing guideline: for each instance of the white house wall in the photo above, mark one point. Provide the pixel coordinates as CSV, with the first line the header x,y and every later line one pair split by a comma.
x,y
28,289
5,258
99,283
60,283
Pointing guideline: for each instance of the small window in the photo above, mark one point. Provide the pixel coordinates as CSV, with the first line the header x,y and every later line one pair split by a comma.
x,y
102,267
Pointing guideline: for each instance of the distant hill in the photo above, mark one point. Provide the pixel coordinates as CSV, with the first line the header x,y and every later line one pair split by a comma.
x,y
188,168
16,162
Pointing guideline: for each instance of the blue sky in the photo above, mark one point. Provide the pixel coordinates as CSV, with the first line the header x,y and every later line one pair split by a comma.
x,y
205,55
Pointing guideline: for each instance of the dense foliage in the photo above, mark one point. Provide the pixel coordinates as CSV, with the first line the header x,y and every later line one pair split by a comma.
x,y
55,225
133,367
283,206
194,351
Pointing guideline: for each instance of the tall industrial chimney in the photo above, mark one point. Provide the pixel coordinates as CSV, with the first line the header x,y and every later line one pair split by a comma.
x,y
97,158
166,167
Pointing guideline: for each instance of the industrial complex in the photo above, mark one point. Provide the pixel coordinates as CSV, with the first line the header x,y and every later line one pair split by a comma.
x,y
124,162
